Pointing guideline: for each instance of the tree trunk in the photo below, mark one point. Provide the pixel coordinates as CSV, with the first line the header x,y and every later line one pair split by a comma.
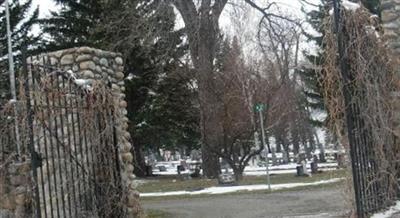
x,y
202,29
278,146
295,141
285,154
238,172
211,129
308,149
321,148
140,164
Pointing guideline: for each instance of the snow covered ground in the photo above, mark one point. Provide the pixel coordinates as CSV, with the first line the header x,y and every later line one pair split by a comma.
x,y
292,171
249,170
231,189
389,213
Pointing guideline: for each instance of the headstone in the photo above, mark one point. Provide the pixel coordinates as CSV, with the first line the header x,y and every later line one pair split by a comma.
x,y
162,168
226,179
302,168
304,165
180,168
299,170
340,160
196,173
314,165
149,170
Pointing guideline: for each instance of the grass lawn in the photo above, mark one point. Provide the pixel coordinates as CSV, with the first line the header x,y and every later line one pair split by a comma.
x,y
174,183
189,197
157,214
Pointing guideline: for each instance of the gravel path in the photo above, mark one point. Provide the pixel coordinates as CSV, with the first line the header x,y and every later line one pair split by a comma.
x,y
310,202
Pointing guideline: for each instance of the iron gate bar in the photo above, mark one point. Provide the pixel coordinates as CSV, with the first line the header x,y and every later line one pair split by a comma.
x,y
87,161
79,197
347,98
361,162
112,147
47,167
49,113
101,172
116,152
90,161
34,161
38,144
69,143
57,139
62,84
93,166
81,150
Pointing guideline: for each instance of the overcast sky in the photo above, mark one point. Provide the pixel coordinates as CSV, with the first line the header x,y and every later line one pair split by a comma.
x,y
291,6
249,21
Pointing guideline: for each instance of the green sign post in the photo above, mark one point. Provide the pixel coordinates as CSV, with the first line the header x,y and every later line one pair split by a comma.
x,y
260,107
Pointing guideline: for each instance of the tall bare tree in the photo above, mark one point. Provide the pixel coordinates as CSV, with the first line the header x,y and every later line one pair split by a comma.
x,y
202,28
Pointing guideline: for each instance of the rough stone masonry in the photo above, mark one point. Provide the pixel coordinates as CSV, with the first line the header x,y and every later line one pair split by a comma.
x,y
89,64
391,24
391,27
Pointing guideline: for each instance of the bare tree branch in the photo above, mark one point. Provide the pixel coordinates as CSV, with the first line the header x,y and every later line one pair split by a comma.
x,y
219,5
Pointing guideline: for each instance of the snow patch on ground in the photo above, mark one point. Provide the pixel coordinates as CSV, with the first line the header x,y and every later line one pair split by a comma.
x,y
348,5
231,189
288,171
389,213
249,170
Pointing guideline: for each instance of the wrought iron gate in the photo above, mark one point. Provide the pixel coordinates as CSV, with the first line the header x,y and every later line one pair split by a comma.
x,y
73,145
373,188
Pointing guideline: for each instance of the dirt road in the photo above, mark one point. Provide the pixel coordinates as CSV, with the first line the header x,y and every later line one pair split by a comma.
x,y
311,202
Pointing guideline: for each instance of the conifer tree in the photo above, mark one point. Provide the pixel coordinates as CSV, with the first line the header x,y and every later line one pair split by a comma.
x,y
73,25
310,73
161,109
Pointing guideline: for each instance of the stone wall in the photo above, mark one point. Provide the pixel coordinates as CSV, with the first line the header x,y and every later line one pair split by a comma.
x,y
15,194
391,24
94,65
391,27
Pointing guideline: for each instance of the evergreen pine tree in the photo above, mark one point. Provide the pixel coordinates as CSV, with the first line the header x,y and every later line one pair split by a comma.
x,y
73,25
161,110
161,104
21,22
310,74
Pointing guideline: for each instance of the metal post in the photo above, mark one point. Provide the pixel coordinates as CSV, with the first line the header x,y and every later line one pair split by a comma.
x,y
12,78
265,147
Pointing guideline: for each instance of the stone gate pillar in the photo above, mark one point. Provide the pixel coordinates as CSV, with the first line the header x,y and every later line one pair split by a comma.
x,y
391,24
16,195
95,64
391,27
